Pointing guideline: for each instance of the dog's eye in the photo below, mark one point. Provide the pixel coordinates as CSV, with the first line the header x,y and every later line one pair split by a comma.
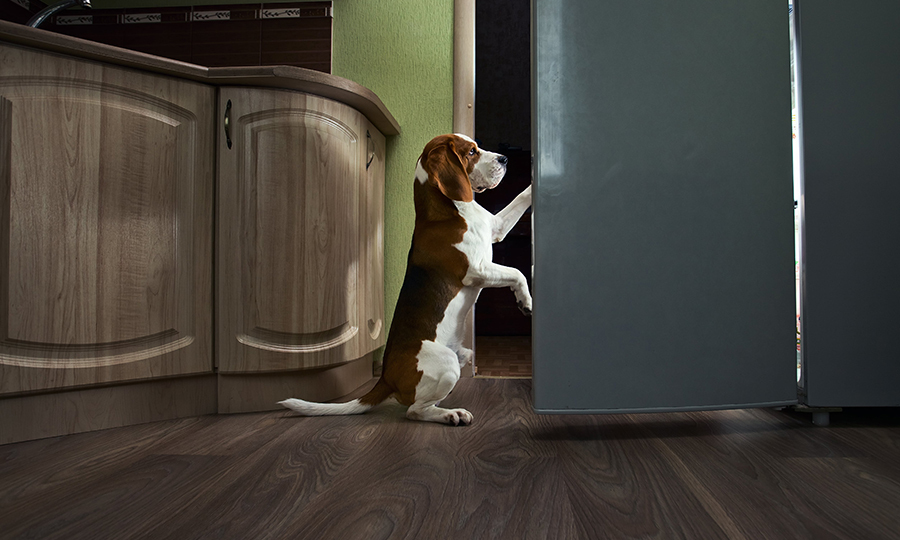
x,y
472,152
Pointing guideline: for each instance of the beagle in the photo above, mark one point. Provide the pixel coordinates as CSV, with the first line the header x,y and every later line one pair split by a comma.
x,y
447,266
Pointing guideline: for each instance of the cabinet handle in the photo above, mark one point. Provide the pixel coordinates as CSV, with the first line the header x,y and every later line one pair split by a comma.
x,y
227,123
370,146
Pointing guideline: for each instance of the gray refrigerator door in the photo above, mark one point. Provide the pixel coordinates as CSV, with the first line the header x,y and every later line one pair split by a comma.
x,y
663,206
850,72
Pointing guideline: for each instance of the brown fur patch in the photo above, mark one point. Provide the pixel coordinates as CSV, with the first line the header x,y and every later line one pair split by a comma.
x,y
449,160
434,269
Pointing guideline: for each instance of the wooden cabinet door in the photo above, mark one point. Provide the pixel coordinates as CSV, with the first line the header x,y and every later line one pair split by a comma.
x,y
288,231
371,245
106,178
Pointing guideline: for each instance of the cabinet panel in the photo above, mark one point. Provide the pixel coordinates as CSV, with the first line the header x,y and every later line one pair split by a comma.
x,y
300,223
94,242
371,243
106,224
289,231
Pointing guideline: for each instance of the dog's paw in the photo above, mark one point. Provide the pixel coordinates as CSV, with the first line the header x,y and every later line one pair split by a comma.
x,y
458,417
464,356
523,295
525,309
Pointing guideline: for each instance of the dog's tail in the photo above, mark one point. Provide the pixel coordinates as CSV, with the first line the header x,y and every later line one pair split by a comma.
x,y
380,392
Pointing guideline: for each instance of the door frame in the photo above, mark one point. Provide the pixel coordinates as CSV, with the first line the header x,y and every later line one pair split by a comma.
x,y
464,110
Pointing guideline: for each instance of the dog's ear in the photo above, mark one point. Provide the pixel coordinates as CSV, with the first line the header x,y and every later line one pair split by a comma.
x,y
446,170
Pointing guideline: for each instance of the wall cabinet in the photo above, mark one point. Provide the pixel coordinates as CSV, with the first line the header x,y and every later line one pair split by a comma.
x,y
112,168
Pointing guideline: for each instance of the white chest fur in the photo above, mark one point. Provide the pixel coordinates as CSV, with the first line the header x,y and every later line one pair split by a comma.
x,y
476,245
477,240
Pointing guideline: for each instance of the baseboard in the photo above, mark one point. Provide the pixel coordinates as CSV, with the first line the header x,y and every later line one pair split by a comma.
x,y
38,416
261,392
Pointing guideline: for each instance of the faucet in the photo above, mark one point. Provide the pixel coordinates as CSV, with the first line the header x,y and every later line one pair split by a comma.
x,y
39,17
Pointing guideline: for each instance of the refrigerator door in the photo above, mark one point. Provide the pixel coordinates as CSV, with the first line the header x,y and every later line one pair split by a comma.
x,y
850,72
663,206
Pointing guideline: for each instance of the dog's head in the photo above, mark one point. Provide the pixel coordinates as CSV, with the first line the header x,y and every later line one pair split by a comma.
x,y
457,167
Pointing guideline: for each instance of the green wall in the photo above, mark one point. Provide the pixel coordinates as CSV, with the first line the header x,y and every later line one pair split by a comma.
x,y
403,51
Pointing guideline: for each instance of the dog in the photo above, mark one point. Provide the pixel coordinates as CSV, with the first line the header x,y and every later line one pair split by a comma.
x,y
448,264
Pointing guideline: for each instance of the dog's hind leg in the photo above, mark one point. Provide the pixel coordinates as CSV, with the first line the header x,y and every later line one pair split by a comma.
x,y
440,372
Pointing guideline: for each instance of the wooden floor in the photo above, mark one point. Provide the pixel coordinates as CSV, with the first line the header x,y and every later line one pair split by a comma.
x,y
503,356
753,474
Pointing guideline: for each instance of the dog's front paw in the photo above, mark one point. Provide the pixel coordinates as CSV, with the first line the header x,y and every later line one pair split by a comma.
x,y
524,303
458,417
523,295
526,310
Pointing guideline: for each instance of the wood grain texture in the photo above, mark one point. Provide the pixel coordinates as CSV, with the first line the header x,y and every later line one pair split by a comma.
x,y
62,413
512,474
286,77
254,392
371,242
299,249
107,224
503,356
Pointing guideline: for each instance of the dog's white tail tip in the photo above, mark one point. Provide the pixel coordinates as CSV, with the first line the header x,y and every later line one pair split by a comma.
x,y
308,408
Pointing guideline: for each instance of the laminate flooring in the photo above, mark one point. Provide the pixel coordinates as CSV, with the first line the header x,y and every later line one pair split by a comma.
x,y
503,356
740,474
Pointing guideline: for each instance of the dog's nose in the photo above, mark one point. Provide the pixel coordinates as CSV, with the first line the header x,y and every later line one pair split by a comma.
x,y
502,160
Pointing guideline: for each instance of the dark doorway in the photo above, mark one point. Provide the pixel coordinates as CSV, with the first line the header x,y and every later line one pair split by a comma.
x,y
503,124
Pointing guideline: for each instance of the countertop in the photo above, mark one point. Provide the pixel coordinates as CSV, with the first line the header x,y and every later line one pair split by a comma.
x,y
284,77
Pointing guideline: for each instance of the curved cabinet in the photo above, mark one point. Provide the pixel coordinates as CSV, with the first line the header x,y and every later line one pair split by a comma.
x,y
299,244
113,166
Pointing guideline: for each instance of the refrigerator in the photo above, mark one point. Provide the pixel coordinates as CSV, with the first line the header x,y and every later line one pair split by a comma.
x,y
663,213
663,243
849,79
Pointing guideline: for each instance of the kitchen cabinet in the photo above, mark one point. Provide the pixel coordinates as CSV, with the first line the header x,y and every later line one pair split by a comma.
x,y
106,216
299,241
133,228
